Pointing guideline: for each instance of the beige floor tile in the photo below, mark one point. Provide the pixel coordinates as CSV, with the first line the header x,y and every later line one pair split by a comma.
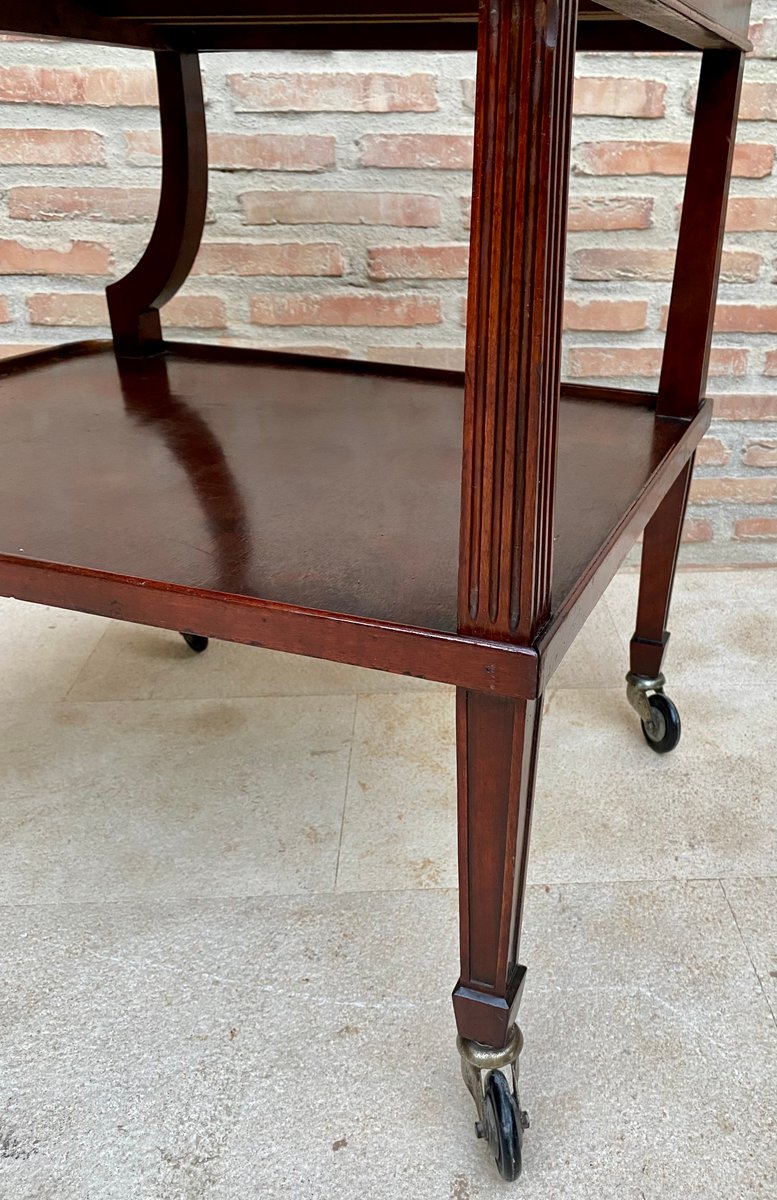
x,y
42,649
723,626
597,657
135,662
304,1047
754,904
399,829
608,807
209,798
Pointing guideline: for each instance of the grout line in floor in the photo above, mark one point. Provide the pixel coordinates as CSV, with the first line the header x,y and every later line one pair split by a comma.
x,y
345,796
747,951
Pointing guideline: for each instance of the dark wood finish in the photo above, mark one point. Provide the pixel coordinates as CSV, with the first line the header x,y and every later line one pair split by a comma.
x,y
660,547
689,332
575,607
457,527
497,741
522,127
511,434
355,24
135,300
700,242
292,480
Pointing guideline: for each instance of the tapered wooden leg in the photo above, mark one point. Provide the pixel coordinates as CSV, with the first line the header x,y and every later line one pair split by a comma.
x,y
497,743
659,560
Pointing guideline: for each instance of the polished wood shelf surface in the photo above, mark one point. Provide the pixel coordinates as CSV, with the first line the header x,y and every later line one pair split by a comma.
x,y
354,24
311,482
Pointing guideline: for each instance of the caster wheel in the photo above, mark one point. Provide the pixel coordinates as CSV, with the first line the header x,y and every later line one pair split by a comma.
x,y
665,733
195,642
502,1125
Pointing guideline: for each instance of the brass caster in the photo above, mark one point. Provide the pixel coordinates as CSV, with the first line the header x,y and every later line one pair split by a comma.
x,y
501,1120
659,716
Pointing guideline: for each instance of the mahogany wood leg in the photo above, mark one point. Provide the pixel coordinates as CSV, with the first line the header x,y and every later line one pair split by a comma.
x,y
659,560
497,741
135,300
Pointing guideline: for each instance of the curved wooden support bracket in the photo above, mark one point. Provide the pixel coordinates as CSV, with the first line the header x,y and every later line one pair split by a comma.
x,y
135,300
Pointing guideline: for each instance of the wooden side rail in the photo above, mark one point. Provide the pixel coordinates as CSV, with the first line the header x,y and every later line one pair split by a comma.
x,y
135,300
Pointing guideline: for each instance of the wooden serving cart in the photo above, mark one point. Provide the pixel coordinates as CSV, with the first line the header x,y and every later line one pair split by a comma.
x,y
454,526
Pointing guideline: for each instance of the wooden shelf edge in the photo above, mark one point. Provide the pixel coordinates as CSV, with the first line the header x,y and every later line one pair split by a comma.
x,y
567,621
485,666
639,24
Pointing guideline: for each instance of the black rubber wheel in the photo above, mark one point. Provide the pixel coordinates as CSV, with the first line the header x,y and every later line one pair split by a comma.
x,y
502,1125
666,720
195,642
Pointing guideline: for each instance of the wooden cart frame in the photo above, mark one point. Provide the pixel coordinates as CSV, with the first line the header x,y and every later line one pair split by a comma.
x,y
557,481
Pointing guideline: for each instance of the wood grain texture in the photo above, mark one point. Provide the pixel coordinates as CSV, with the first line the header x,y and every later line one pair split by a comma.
x,y
700,242
497,740
351,24
290,479
660,547
519,200
135,300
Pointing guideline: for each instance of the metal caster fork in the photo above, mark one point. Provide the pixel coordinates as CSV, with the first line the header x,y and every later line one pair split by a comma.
x,y
501,1120
659,716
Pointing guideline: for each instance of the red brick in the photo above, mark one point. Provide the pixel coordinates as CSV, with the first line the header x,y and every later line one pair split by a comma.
x,y
697,531
595,213
442,151
100,86
51,147
345,310
764,38
444,358
613,315
770,363
760,453
417,262
334,92
72,258
269,258
619,97
245,151
5,315
745,408
196,312
86,309
712,452
752,214
756,529
610,212
751,160
283,207
748,490
95,203
616,362
746,318
759,101
646,263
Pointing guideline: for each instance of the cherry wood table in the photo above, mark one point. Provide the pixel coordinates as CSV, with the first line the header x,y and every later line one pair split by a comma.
x,y
457,527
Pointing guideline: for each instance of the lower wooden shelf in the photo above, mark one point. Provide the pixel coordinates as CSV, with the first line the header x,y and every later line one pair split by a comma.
x,y
309,484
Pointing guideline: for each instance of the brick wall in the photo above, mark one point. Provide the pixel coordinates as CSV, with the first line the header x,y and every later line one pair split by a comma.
x,y
340,183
